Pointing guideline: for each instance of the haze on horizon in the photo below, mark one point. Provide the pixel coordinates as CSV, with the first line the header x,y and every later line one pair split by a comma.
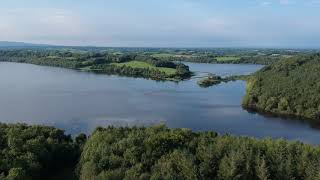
x,y
166,23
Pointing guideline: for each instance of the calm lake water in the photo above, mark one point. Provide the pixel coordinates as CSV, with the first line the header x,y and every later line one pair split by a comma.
x,y
80,101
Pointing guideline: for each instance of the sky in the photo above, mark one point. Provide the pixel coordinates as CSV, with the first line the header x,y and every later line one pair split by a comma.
x,y
163,23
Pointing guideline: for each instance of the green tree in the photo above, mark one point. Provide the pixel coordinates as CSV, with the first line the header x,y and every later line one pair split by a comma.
x,y
177,165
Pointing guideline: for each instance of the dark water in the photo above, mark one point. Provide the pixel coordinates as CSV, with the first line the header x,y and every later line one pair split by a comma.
x,y
80,101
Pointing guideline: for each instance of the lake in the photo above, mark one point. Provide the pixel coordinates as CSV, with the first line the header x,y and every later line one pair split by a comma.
x,y
80,101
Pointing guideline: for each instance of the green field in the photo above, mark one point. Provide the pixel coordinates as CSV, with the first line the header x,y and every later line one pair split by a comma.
x,y
162,55
140,64
227,58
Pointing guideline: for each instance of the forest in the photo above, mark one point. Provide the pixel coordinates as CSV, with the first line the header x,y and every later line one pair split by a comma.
x,y
156,152
290,87
36,152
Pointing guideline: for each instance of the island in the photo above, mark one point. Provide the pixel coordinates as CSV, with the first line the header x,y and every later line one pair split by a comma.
x,y
210,80
213,79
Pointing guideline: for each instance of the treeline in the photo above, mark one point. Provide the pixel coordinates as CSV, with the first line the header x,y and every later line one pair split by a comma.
x,y
198,55
38,152
243,59
210,55
195,59
290,87
129,71
97,61
55,58
157,62
265,60
182,71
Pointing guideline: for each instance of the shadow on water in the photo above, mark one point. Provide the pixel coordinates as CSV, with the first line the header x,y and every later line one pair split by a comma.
x,y
286,118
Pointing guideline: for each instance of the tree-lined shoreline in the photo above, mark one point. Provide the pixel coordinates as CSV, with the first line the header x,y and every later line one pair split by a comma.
x,y
287,88
148,67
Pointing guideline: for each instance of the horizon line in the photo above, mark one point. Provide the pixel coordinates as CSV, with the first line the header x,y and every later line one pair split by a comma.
x,y
35,44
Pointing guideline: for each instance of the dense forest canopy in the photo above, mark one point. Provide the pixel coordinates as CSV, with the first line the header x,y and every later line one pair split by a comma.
x,y
157,152
161,153
35,152
289,87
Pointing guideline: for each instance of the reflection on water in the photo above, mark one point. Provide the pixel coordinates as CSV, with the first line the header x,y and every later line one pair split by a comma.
x,y
79,102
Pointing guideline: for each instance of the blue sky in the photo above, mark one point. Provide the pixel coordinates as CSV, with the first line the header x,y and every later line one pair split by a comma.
x,y
163,23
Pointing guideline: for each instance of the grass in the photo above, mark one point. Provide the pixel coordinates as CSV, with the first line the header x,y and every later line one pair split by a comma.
x,y
140,64
228,58
58,57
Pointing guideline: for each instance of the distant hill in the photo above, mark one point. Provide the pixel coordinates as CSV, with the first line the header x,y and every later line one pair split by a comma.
x,y
9,44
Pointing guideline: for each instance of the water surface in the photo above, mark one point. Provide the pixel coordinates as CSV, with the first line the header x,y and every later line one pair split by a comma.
x,y
80,101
